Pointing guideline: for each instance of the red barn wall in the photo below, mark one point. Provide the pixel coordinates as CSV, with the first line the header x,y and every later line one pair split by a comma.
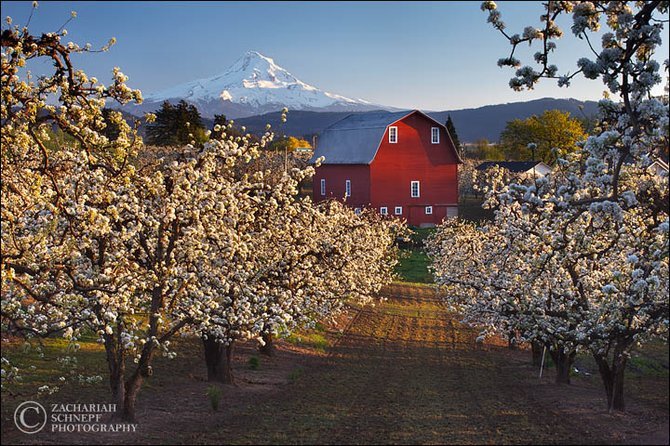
x,y
336,175
415,158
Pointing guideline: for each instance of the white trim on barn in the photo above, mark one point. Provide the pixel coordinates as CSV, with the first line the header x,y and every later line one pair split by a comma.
x,y
434,135
412,192
393,134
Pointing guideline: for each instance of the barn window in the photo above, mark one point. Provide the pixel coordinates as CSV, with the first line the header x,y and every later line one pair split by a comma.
x,y
357,211
393,135
347,188
435,135
398,210
323,186
384,210
415,189
429,210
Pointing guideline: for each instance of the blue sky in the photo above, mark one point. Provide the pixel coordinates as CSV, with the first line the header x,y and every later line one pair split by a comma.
x,y
427,55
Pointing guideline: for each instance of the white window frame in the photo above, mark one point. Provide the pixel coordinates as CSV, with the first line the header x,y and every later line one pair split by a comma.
x,y
398,210
434,133
393,131
323,186
357,211
384,210
429,210
418,189
347,188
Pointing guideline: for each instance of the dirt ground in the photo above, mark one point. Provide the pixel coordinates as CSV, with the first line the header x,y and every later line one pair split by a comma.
x,y
402,372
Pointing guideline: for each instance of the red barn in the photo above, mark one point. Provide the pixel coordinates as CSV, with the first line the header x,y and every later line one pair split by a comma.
x,y
401,164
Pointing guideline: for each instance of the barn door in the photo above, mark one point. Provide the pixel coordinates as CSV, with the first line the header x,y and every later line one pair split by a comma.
x,y
416,216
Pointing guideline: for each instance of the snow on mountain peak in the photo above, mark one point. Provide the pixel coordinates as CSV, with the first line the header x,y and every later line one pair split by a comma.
x,y
255,81
253,59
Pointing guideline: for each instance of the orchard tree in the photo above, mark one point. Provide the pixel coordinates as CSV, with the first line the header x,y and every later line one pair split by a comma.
x,y
111,130
90,234
330,257
466,178
60,268
601,222
231,276
293,263
96,236
490,273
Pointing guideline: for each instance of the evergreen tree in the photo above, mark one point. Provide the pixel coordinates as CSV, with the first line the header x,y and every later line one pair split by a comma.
x,y
452,131
221,122
176,125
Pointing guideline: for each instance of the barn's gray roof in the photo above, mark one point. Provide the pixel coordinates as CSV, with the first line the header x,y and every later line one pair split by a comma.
x,y
355,138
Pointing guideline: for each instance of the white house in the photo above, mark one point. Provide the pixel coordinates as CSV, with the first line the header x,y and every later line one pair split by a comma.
x,y
530,168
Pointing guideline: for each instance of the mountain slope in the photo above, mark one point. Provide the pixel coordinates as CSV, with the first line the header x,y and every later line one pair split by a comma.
x,y
471,124
254,84
489,121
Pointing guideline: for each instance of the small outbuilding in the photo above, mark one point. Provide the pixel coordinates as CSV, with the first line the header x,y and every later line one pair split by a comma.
x,y
530,168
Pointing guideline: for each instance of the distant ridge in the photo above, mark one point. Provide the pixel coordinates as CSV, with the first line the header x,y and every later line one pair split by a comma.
x,y
472,124
254,89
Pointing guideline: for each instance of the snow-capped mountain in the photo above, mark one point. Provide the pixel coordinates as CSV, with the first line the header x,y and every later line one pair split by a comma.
x,y
254,84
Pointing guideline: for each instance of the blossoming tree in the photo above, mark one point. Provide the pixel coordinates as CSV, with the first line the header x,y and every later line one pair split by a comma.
x,y
295,263
582,255
93,234
102,235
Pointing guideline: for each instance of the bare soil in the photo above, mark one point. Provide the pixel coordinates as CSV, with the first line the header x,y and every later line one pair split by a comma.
x,y
402,372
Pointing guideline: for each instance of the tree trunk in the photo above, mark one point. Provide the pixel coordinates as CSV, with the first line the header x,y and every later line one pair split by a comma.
x,y
228,364
218,358
134,383
563,363
512,340
268,348
116,376
613,380
132,388
618,402
537,348
213,354
117,369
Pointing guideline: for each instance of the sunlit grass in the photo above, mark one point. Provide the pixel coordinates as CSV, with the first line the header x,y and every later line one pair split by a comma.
x,y
39,363
312,338
413,267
